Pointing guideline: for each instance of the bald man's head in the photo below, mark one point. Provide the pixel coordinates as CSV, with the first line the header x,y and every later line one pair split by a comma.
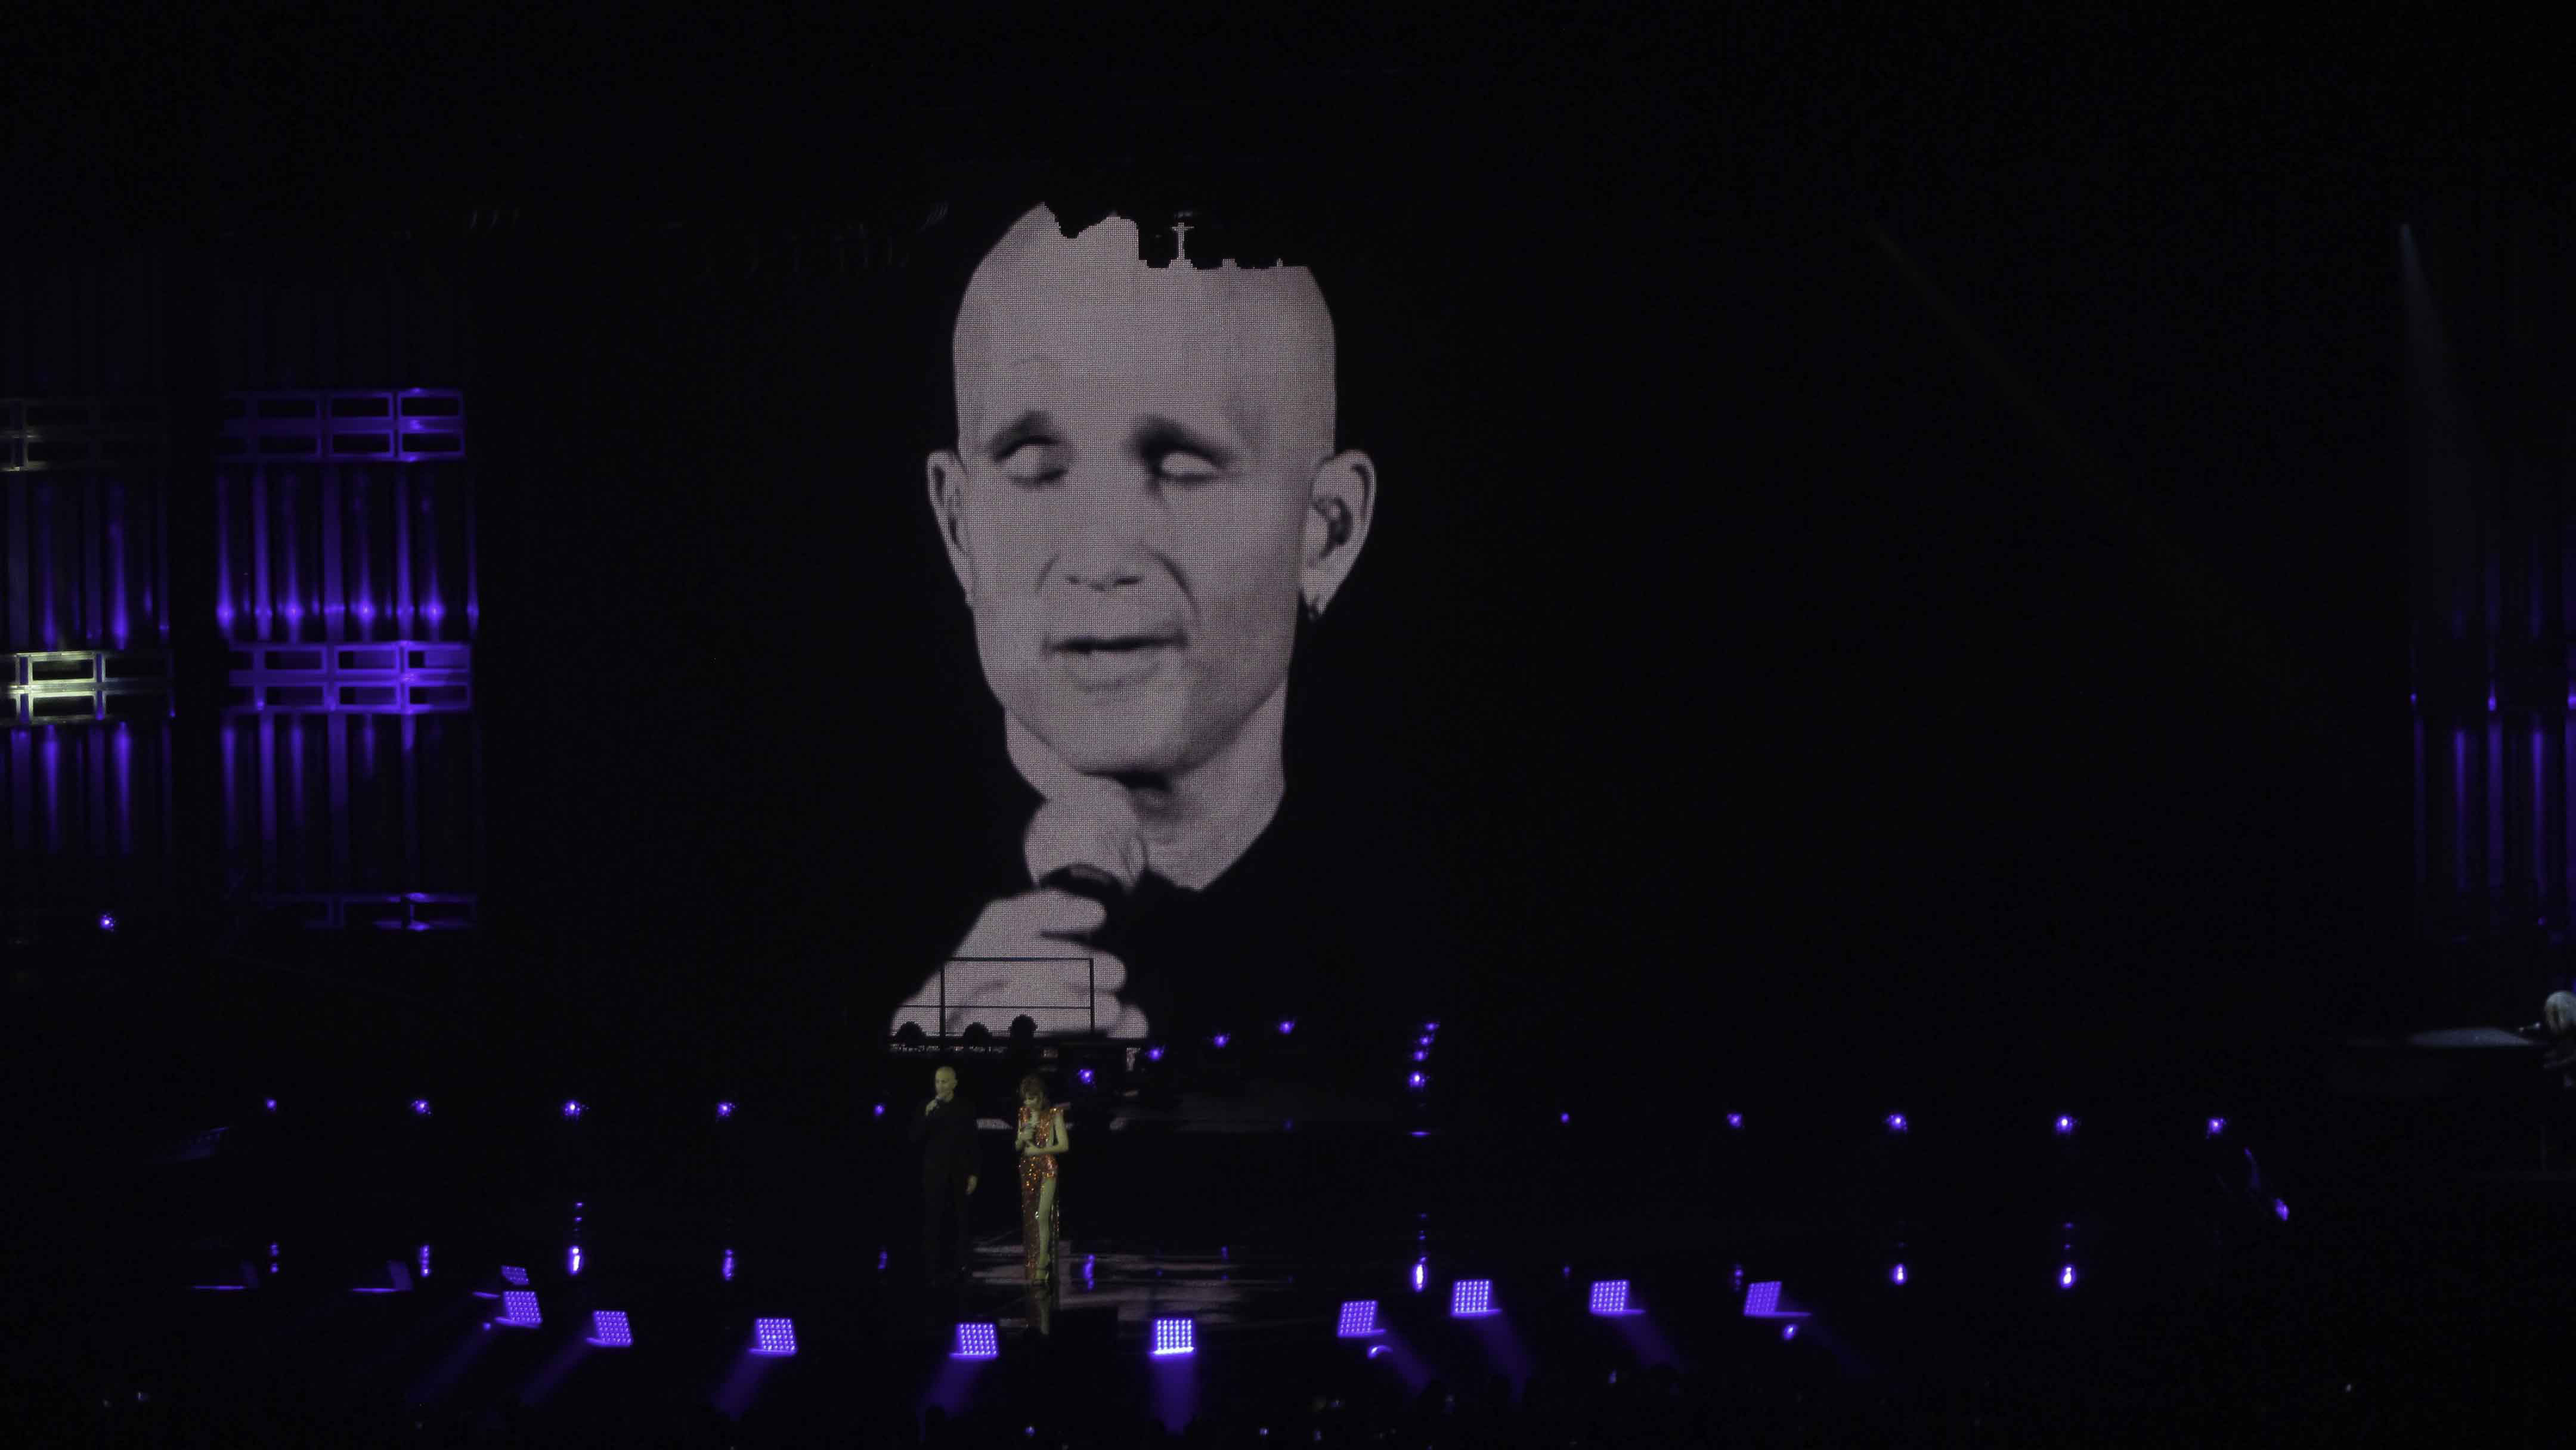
x,y
1144,486
1091,305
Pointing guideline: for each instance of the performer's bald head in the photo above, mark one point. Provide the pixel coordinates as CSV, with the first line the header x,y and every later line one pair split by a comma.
x,y
1143,490
1089,307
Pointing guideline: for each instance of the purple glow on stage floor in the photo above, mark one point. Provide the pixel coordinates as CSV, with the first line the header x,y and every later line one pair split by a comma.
x,y
774,1337
977,1341
1359,1320
519,1309
1610,1296
1174,1336
1471,1298
608,1329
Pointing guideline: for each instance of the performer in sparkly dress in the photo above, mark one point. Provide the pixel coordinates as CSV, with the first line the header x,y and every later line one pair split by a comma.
x,y
1042,1139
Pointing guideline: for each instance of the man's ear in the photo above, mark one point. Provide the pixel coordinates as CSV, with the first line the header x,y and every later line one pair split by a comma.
x,y
1339,504
946,473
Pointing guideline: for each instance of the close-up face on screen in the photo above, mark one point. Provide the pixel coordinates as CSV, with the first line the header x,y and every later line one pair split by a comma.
x,y
1143,498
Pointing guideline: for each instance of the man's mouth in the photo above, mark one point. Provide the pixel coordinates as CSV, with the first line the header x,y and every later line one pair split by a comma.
x,y
1112,661
1097,644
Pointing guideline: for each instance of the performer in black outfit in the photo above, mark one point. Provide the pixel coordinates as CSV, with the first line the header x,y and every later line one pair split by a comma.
x,y
947,1176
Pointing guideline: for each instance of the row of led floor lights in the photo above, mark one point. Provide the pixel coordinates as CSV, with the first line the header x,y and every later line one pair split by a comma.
x,y
1177,1335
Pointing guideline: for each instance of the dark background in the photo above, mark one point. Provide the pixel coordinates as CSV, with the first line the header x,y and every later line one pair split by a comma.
x,y
1892,561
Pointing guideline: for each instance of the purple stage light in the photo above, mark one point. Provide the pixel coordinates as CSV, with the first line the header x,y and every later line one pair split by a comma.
x,y
1287,1025
1375,1350
2065,1125
1418,1266
725,1110
1788,1331
1735,1120
272,1105
513,1274
1471,1298
1430,1026
420,1107
1359,1320
1610,1296
106,921
572,1264
1762,1300
519,1309
728,1266
571,1108
1565,1117
2281,1210
1153,1054
1414,1081
2066,1277
1897,1274
773,1336
424,1261
1896,1122
1421,1056
608,1329
1422,1041
1174,1336
1085,1076
977,1341
2217,1126
1221,1039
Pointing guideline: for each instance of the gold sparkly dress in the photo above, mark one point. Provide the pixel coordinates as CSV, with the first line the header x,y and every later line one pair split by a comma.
x,y
1036,1169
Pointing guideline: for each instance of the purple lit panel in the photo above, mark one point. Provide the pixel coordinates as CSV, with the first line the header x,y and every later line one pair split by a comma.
x,y
977,1341
1359,1320
1471,1298
1175,1336
608,1329
1610,1297
519,1307
773,1336
1762,1300
513,1274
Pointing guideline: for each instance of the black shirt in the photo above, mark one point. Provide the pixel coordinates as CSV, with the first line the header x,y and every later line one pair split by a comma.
x,y
1313,925
949,1129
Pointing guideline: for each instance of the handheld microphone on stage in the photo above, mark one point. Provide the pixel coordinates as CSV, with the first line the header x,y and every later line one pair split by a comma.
x,y
1084,852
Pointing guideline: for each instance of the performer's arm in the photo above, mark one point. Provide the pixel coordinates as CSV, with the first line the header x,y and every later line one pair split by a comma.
x,y
921,1120
1059,1143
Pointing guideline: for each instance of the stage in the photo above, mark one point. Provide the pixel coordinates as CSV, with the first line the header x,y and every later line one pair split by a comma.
x,y
1971,1270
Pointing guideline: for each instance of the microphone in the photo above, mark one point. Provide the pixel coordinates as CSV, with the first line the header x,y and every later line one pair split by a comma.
x,y
1084,851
